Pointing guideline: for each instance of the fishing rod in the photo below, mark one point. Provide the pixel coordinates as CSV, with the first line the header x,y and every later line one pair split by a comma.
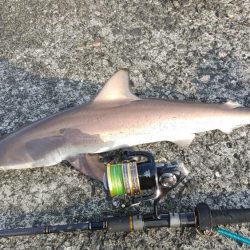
x,y
205,220
137,179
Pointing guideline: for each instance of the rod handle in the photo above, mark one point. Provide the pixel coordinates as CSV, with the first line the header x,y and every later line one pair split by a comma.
x,y
207,218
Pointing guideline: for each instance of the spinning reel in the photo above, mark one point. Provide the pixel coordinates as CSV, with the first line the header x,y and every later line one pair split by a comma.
x,y
134,180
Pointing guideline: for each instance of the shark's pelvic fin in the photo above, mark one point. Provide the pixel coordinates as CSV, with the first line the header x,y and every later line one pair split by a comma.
x,y
116,88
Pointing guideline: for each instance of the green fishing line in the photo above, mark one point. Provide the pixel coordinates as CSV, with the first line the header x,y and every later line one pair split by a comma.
x,y
116,176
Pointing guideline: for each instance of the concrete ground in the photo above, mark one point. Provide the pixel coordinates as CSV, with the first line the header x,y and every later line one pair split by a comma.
x,y
58,54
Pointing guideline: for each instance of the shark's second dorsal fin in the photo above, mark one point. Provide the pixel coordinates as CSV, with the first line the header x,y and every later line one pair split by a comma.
x,y
116,88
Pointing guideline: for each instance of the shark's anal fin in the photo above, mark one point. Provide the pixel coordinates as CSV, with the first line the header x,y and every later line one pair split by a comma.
x,y
185,141
116,88
232,105
88,164
226,130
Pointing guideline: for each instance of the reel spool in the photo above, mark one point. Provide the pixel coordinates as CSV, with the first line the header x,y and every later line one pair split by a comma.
x,y
131,179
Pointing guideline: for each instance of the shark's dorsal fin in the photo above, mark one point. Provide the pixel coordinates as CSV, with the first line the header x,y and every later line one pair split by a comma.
x,y
116,88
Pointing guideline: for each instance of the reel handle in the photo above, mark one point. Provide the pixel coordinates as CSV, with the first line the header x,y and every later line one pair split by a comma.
x,y
128,154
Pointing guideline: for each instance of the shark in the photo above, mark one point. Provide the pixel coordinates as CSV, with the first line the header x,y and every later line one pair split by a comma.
x,y
115,119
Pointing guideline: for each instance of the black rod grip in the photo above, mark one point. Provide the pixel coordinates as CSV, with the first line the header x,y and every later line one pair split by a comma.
x,y
207,218
230,216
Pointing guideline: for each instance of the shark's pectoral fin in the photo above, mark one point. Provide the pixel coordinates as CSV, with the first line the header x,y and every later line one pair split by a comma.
x,y
116,88
184,141
88,164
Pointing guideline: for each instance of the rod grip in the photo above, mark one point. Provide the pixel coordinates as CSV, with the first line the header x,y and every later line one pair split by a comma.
x,y
230,216
207,218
